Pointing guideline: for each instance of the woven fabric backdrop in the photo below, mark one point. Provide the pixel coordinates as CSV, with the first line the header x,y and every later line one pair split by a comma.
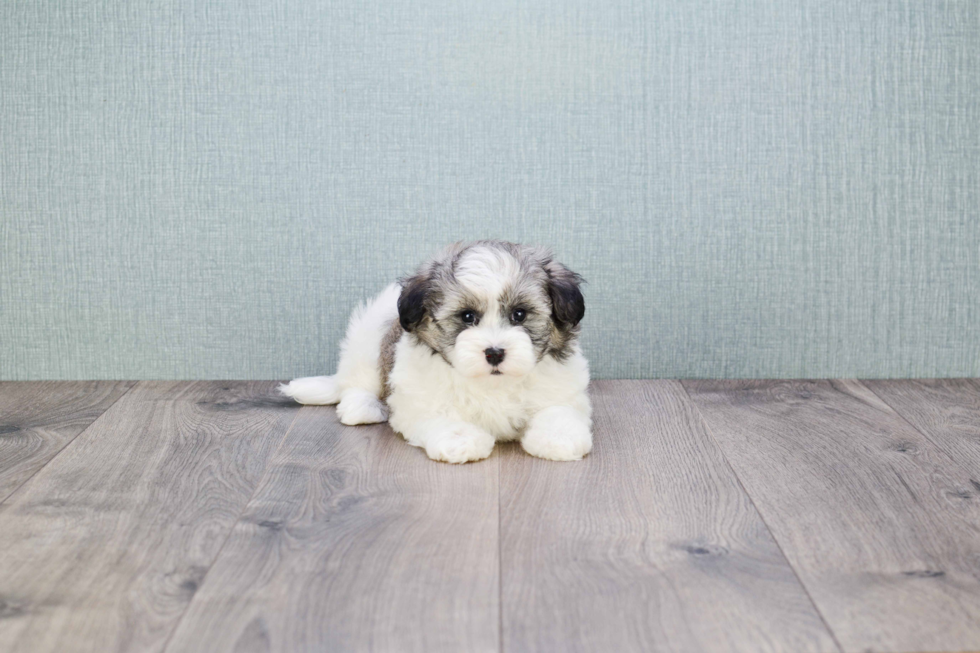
x,y
781,188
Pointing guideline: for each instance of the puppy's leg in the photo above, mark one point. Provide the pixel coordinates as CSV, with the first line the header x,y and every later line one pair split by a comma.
x,y
558,433
450,440
361,407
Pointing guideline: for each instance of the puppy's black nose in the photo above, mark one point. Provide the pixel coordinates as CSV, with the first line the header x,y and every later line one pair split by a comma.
x,y
494,356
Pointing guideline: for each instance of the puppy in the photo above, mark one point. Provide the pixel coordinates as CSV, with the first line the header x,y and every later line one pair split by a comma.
x,y
479,346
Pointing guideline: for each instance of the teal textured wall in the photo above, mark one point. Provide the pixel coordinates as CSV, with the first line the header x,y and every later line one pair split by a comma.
x,y
764,188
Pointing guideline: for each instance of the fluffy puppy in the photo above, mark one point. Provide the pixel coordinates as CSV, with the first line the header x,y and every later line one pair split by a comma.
x,y
480,345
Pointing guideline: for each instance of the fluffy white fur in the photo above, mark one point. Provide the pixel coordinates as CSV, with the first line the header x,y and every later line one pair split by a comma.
x,y
356,387
456,405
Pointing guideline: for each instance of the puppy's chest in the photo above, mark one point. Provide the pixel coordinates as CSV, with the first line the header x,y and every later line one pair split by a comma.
x,y
503,410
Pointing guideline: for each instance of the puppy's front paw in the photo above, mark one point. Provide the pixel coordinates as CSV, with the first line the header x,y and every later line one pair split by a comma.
x,y
458,442
558,434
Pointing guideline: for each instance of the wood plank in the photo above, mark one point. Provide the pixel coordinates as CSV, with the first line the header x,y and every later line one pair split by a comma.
x,y
355,541
103,549
648,544
869,512
38,418
947,411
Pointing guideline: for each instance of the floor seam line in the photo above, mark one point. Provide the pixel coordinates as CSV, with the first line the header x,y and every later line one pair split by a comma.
x,y
67,444
762,517
500,558
258,484
915,428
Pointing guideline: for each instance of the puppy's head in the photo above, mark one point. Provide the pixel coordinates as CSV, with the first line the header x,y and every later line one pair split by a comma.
x,y
493,308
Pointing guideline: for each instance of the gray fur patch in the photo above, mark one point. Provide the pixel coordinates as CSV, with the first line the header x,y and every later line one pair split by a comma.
x,y
387,358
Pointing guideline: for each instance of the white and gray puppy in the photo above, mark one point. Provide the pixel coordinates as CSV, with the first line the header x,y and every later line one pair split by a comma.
x,y
480,345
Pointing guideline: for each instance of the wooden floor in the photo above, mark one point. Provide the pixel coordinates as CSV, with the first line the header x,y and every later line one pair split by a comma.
x,y
711,516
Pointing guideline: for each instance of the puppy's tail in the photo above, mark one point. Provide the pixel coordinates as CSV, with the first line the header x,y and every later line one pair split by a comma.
x,y
317,390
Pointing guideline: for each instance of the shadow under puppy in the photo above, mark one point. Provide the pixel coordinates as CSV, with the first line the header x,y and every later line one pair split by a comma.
x,y
480,345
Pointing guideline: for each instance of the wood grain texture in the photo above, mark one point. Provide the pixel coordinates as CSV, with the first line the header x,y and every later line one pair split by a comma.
x,y
355,541
104,548
649,544
38,418
947,411
872,515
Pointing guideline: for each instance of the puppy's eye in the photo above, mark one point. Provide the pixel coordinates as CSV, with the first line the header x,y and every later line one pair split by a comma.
x,y
518,315
468,317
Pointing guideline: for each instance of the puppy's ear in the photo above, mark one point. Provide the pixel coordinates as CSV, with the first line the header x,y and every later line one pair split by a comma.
x,y
411,303
567,302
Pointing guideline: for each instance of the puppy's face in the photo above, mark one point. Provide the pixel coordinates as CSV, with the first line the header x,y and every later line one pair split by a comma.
x,y
493,308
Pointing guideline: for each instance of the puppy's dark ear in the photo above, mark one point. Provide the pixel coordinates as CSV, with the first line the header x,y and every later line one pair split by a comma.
x,y
567,302
411,303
